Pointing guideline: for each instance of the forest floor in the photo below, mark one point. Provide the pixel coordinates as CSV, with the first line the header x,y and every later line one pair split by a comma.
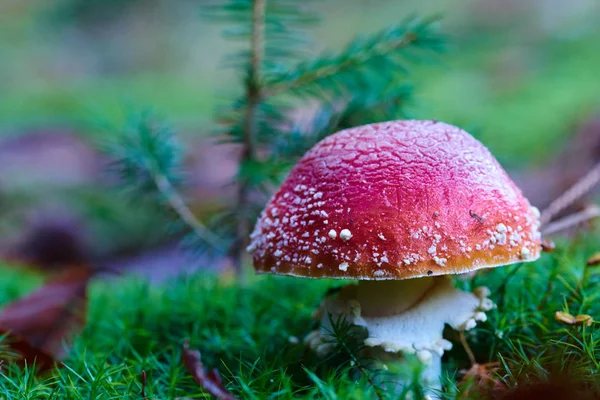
x,y
252,333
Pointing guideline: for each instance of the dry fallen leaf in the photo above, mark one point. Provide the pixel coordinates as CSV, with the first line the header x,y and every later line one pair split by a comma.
x,y
211,380
594,260
37,326
53,243
18,349
483,376
579,320
548,245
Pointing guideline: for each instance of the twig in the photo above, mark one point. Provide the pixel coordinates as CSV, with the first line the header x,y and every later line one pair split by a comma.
x,y
575,192
332,70
467,348
144,383
210,381
572,220
181,209
479,218
254,96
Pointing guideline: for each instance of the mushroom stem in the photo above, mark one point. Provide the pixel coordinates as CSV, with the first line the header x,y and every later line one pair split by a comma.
x,y
382,298
403,317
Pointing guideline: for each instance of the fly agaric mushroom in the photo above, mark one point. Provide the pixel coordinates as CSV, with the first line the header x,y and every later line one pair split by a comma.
x,y
398,206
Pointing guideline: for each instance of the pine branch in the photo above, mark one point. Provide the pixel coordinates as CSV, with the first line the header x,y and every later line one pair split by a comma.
x,y
383,50
148,162
175,201
253,88
284,22
253,95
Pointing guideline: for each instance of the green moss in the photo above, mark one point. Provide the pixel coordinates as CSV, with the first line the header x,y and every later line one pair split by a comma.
x,y
248,332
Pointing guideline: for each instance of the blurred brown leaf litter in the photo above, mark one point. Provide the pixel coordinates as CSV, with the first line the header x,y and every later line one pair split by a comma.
x,y
208,380
37,328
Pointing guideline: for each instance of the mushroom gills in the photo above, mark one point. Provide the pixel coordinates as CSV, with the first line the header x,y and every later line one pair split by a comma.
x,y
403,317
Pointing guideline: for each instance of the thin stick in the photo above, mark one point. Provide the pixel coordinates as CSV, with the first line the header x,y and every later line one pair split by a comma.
x,y
144,382
572,220
575,192
181,209
468,350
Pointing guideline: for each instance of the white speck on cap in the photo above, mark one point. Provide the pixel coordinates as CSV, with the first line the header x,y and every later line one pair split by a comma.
x,y
525,252
501,228
345,234
440,261
343,266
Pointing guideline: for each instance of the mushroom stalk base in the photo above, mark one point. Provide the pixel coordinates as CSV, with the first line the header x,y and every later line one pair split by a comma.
x,y
403,317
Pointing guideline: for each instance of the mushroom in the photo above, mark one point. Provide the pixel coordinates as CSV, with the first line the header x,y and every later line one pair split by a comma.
x,y
399,206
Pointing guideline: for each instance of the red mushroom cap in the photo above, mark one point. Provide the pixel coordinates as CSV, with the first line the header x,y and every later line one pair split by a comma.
x,y
395,200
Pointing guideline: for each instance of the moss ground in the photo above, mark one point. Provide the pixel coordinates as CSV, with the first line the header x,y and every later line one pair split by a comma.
x,y
249,333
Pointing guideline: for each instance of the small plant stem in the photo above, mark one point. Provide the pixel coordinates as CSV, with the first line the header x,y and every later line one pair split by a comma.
x,y
177,204
144,382
463,341
253,96
574,193
572,220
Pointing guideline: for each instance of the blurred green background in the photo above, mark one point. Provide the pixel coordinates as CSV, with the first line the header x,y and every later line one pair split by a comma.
x,y
521,76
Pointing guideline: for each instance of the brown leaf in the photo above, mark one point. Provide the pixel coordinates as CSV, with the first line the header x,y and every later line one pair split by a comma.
x,y
579,320
554,387
548,245
52,243
594,260
584,319
211,380
564,317
37,326
484,377
20,350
